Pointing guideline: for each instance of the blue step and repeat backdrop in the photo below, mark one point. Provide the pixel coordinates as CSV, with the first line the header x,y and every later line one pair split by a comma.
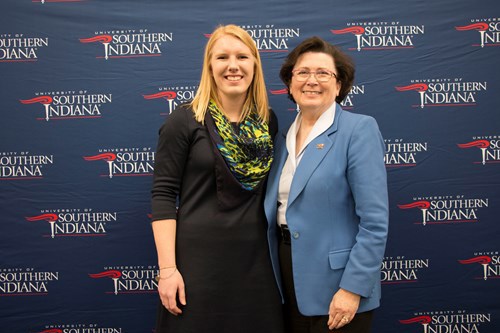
x,y
86,84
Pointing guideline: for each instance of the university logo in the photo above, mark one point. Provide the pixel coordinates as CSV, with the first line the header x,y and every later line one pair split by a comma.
x,y
488,31
70,104
444,321
79,328
130,43
23,165
85,222
447,209
403,154
399,269
489,261
349,102
445,92
268,38
488,146
25,281
20,48
382,35
129,279
173,96
125,162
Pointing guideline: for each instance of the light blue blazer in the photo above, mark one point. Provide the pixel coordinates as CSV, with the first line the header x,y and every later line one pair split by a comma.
x,y
337,213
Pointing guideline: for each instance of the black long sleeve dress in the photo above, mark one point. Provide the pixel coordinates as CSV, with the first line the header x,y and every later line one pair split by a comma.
x,y
221,246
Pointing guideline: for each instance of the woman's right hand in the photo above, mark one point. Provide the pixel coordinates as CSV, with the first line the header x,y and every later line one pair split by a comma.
x,y
169,288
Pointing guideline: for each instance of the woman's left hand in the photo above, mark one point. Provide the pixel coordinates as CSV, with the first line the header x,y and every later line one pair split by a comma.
x,y
343,308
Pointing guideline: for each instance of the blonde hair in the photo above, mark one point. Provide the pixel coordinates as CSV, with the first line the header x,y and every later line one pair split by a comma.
x,y
256,94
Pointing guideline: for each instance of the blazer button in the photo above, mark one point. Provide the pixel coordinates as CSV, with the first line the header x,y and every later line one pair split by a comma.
x,y
295,234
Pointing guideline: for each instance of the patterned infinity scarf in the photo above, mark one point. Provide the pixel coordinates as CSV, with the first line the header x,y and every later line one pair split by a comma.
x,y
248,153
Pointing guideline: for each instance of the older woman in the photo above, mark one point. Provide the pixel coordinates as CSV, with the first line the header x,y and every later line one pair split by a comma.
x,y
215,272
326,200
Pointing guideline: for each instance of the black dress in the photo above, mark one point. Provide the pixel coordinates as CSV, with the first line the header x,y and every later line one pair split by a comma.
x,y
221,246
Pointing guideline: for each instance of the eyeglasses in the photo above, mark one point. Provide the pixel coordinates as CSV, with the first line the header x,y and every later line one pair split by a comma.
x,y
321,75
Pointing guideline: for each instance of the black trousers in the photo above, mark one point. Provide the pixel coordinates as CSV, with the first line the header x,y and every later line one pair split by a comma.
x,y
295,322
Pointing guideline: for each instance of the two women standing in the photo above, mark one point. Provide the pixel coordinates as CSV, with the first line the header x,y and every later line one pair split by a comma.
x,y
326,201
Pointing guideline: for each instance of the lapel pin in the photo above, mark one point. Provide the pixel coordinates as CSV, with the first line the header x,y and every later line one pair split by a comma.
x,y
320,145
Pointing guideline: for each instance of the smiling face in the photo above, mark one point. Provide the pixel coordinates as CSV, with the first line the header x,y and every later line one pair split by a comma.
x,y
232,65
313,96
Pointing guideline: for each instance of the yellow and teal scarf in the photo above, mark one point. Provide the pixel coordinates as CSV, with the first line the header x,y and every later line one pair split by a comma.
x,y
246,147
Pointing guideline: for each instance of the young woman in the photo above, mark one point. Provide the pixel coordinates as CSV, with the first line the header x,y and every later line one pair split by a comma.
x,y
213,156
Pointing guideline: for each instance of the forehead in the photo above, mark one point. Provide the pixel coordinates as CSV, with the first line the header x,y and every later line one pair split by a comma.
x,y
315,60
228,43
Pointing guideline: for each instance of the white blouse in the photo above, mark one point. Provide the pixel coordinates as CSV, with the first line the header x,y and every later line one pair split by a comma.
x,y
322,124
